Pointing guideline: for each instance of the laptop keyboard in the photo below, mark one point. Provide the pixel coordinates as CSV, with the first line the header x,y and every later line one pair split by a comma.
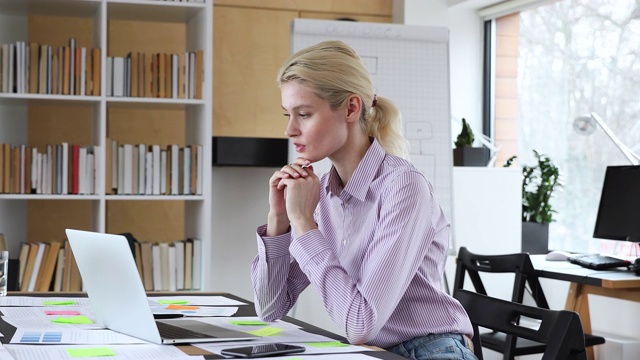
x,y
175,332
597,262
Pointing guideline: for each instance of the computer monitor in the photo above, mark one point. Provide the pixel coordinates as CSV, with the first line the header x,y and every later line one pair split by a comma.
x,y
618,214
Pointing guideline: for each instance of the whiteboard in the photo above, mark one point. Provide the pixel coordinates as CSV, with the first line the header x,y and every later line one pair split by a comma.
x,y
410,66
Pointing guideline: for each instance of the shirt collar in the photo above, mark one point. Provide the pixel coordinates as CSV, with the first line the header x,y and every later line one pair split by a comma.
x,y
360,181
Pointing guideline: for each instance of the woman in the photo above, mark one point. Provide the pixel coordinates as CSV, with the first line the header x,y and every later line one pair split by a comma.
x,y
369,234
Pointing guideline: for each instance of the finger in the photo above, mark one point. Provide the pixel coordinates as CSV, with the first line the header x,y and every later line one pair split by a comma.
x,y
299,170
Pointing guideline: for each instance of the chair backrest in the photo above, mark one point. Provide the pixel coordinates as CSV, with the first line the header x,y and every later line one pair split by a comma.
x,y
518,263
561,330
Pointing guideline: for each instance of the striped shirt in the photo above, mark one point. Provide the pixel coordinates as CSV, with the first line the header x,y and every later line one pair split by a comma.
x,y
377,257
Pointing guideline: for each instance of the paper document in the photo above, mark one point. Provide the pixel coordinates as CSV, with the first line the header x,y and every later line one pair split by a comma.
x,y
45,312
43,301
216,300
73,337
120,352
194,310
33,323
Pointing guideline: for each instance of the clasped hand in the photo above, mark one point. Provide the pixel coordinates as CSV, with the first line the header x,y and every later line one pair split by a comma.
x,y
294,192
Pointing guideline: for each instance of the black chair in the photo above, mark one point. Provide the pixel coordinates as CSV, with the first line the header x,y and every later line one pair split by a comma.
x,y
525,277
559,330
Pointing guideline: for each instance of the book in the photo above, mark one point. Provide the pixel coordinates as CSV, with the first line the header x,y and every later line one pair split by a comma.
x,y
197,264
42,249
57,284
49,264
147,265
156,265
199,74
96,76
22,259
188,264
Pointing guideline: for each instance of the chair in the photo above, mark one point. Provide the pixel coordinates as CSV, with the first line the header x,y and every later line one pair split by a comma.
x,y
524,275
560,330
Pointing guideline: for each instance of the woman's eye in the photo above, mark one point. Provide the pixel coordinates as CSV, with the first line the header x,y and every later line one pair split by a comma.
x,y
286,115
303,115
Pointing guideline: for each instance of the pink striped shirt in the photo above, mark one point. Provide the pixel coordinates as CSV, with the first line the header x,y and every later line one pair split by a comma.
x,y
377,257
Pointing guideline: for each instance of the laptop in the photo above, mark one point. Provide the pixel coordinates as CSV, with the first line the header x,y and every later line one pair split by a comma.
x,y
119,301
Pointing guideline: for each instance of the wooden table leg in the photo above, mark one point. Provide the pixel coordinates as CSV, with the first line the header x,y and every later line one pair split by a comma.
x,y
578,301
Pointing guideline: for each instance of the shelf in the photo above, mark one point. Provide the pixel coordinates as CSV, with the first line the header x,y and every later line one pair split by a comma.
x,y
152,103
175,12
12,99
84,8
47,197
156,197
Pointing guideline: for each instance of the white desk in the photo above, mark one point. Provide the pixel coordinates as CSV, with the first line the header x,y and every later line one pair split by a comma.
x,y
616,283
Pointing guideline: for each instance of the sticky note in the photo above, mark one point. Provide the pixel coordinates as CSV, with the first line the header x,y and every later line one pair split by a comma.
x,y
325,344
81,319
266,331
174,302
182,307
248,322
90,352
62,312
52,302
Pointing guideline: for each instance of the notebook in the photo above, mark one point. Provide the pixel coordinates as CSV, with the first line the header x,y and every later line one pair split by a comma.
x,y
118,299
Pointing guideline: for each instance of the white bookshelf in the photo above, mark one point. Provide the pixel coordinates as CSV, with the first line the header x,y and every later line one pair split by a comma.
x,y
16,110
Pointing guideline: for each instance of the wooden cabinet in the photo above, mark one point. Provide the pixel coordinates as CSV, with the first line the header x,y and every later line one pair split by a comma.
x,y
251,39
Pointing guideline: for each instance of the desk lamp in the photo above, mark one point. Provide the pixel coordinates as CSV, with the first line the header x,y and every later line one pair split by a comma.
x,y
586,125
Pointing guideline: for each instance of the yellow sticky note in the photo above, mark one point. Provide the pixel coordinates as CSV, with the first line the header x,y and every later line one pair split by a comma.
x,y
266,331
182,307
325,344
51,302
248,322
80,319
173,302
90,352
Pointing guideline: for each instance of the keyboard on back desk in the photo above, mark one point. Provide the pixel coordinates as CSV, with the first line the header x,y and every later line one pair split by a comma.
x,y
597,262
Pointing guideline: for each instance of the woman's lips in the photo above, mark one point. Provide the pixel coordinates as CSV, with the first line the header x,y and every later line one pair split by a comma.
x,y
299,148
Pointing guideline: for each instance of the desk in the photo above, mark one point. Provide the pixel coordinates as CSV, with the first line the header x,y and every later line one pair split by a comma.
x,y
615,283
243,310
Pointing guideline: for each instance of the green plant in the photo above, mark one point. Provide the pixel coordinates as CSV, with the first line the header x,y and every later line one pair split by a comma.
x,y
465,138
538,184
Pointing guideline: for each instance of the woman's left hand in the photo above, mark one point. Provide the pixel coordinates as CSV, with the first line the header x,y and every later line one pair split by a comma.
x,y
302,196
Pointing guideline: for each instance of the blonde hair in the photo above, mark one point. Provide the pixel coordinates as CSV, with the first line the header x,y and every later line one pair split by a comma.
x,y
333,71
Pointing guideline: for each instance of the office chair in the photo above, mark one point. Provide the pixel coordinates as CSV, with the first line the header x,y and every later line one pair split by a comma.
x,y
520,265
559,330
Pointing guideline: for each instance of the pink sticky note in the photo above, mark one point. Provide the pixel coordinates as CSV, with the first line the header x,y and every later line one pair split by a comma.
x,y
62,312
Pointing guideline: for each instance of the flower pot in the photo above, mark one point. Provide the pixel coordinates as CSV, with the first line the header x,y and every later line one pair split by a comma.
x,y
470,156
535,237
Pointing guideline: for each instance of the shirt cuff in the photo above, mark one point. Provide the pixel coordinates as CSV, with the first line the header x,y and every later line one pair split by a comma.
x,y
307,246
272,246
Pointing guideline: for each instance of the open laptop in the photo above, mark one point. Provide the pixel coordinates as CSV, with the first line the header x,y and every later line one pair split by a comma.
x,y
118,298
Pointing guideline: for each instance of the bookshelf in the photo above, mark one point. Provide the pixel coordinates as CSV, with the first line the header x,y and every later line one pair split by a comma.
x,y
117,27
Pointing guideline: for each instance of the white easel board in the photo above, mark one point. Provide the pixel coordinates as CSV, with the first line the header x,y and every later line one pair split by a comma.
x,y
410,66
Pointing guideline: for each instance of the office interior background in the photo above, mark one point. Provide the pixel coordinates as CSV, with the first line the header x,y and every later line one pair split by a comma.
x,y
589,46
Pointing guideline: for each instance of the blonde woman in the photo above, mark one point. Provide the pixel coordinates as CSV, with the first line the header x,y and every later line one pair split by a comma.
x,y
369,234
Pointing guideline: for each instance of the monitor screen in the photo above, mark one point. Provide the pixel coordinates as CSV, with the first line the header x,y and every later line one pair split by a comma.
x,y
618,214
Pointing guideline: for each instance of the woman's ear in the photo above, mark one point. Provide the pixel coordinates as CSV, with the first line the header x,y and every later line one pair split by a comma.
x,y
354,108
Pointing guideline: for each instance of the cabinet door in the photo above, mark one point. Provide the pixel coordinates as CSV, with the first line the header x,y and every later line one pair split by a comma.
x,y
249,45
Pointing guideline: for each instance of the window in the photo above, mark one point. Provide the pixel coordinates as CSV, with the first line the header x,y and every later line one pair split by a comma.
x,y
556,62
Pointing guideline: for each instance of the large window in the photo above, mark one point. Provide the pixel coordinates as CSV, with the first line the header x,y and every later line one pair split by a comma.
x,y
573,57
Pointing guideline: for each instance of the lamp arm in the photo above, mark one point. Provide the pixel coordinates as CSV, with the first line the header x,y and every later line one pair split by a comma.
x,y
628,153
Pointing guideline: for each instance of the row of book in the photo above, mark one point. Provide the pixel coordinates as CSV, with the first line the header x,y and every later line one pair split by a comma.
x,y
153,170
50,266
156,75
33,68
59,169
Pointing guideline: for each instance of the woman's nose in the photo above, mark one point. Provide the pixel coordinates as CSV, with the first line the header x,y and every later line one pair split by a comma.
x,y
291,130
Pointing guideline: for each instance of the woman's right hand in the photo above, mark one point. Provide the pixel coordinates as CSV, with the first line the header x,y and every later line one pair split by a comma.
x,y
278,221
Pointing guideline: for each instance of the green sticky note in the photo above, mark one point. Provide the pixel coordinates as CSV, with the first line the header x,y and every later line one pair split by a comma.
x,y
325,344
51,302
248,322
173,302
266,331
90,352
80,319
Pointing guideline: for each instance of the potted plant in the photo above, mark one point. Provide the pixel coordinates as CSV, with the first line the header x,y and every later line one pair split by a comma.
x,y
464,154
538,185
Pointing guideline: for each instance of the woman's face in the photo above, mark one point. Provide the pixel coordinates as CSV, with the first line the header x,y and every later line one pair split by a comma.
x,y
316,130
